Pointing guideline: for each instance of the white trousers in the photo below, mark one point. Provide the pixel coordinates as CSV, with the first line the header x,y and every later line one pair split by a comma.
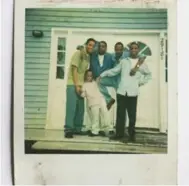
x,y
107,118
95,118
99,117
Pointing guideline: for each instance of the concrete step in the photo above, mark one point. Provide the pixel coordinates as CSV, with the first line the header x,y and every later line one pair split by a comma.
x,y
110,147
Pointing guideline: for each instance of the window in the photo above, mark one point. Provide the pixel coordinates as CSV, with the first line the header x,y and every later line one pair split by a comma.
x,y
61,52
143,48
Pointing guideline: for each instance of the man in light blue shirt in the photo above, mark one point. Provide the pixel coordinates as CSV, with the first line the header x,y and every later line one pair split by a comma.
x,y
128,90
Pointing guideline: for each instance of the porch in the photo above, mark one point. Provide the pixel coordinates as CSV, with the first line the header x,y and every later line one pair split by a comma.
x,y
39,141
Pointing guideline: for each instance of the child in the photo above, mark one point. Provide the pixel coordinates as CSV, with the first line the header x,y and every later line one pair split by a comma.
x,y
95,102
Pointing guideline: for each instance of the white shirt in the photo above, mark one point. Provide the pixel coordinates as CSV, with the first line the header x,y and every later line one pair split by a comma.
x,y
91,92
133,61
101,59
129,84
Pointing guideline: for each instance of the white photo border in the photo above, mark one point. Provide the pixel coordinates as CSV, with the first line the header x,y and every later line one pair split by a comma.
x,y
92,169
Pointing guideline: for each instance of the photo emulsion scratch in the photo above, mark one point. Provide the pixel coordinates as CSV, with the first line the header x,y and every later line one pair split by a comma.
x,y
95,80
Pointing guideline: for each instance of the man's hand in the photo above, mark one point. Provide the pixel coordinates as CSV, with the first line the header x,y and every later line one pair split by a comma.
x,y
78,89
98,79
139,63
132,72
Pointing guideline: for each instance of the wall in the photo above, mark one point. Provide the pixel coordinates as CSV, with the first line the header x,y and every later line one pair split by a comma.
x,y
37,50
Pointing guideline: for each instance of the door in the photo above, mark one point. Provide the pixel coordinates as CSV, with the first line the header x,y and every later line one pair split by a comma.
x,y
57,81
148,115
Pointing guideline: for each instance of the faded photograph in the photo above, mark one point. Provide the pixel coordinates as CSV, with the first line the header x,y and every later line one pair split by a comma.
x,y
96,81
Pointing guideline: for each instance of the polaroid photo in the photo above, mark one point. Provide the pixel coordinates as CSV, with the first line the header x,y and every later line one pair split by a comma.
x,y
95,92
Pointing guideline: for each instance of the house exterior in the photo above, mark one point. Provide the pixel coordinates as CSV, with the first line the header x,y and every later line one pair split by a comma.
x,y
69,28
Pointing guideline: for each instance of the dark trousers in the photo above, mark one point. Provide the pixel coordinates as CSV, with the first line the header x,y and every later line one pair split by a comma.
x,y
129,104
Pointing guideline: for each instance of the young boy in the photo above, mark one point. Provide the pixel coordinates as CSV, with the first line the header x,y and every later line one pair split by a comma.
x,y
133,75
95,102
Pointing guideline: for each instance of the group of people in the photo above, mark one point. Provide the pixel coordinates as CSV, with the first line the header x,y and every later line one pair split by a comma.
x,y
91,72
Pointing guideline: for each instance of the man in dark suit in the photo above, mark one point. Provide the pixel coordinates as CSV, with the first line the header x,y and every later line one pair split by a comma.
x,y
100,62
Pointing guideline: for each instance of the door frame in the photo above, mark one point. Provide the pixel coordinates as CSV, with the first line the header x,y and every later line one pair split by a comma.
x,y
162,85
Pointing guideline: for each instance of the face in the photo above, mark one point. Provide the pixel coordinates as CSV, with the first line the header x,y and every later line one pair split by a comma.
x,y
90,46
89,77
102,48
119,50
134,49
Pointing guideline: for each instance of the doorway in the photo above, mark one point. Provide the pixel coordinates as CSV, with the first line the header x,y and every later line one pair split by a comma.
x,y
64,44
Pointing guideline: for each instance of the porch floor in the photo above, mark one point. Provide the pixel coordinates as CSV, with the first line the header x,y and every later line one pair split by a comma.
x,y
53,140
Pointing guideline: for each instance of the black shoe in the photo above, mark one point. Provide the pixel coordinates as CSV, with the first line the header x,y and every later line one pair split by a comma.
x,y
116,137
89,132
132,139
82,133
102,133
68,135
111,133
93,135
124,139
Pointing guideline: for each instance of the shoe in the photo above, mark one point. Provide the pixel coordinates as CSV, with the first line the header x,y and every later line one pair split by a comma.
x,y
93,135
116,137
89,132
102,133
68,135
109,105
132,136
124,139
111,133
132,139
82,133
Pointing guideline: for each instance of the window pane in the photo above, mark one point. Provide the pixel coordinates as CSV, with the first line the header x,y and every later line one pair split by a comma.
x,y
61,58
60,73
61,44
147,52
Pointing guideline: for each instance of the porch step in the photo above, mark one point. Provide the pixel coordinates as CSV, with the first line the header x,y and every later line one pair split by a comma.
x,y
110,147
146,142
143,137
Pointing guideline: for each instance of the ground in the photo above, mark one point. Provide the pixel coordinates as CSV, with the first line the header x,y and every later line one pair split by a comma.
x,y
53,141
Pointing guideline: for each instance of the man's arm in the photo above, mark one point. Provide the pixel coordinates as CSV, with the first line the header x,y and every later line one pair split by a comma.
x,y
75,60
147,75
112,72
75,75
83,91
